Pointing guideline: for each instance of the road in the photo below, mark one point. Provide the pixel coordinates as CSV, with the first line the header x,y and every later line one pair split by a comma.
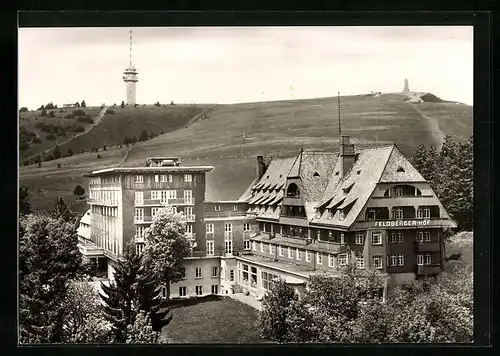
x,y
437,134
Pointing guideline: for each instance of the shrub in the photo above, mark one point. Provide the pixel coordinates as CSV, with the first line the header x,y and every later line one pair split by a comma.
x,y
87,119
78,112
98,156
44,112
78,129
23,109
122,104
51,113
110,111
79,190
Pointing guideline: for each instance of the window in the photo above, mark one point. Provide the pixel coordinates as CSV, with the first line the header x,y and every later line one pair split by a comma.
x,y
188,196
394,260
253,276
164,178
210,228
393,238
399,191
217,208
376,238
359,238
420,260
397,213
246,245
298,253
341,214
400,237
308,256
215,289
420,213
228,246
198,272
189,228
370,214
377,262
267,279
154,211
210,248
280,250
427,259
235,207
174,209
155,195
342,239
188,211
342,260
199,290
228,229
318,234
281,229
182,291
188,177
261,247
420,236
319,258
360,262
231,275
215,271
290,252
271,249
331,261
157,178
427,213
254,245
401,260
244,274
139,197
139,214
139,179
427,236
246,227
170,178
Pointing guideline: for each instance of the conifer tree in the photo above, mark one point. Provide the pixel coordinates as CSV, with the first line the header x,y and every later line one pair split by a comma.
x,y
57,152
62,211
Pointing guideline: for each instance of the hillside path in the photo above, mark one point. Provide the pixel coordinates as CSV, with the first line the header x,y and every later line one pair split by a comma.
x,y
437,134
94,124
124,159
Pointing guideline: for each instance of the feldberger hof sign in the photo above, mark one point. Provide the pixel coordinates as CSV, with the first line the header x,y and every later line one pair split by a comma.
x,y
399,223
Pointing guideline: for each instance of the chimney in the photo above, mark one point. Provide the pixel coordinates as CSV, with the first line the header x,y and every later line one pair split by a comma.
x,y
347,155
260,167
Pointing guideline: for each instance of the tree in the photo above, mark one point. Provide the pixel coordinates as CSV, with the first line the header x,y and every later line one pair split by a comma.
x,y
23,109
122,104
141,331
104,148
62,211
166,245
83,104
49,106
275,311
144,136
77,104
79,191
51,113
43,113
48,260
24,202
84,318
57,152
41,107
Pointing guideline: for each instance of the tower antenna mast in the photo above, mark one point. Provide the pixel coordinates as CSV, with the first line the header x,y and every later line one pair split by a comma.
x,y
338,108
130,48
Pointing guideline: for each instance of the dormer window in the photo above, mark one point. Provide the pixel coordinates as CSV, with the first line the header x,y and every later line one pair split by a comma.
x,y
358,171
400,169
293,191
267,176
337,173
316,175
341,214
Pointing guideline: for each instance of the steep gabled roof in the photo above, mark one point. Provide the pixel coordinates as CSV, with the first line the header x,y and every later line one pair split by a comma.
x,y
399,169
315,172
362,178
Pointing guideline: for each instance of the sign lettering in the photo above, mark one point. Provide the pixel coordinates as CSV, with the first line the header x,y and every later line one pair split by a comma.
x,y
399,223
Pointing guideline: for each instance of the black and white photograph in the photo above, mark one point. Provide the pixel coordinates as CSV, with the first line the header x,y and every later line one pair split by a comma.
x,y
245,185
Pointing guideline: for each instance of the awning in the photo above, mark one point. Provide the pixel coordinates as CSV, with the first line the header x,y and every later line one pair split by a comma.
x,y
348,202
335,202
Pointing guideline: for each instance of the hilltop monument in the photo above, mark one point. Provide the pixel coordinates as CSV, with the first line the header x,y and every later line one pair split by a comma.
x,y
407,87
130,78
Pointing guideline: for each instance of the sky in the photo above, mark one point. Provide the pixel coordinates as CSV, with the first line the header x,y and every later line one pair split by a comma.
x,y
241,64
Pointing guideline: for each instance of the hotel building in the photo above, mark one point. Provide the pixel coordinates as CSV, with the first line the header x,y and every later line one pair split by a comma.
x,y
301,216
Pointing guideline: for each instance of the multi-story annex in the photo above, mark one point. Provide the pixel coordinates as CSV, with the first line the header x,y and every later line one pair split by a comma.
x,y
301,216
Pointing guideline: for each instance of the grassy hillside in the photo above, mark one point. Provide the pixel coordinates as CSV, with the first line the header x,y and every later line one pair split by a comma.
x,y
233,135
35,129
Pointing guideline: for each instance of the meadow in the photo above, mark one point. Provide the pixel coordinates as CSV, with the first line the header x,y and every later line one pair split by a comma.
x,y
231,136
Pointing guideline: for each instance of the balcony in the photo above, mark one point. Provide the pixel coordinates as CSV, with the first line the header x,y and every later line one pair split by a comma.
x,y
143,219
228,214
427,246
293,201
295,220
180,201
148,202
190,218
429,270
102,202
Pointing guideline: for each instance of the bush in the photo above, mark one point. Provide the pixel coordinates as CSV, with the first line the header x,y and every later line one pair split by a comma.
x,y
98,156
78,129
50,137
23,109
79,191
87,119
51,113
78,112
49,106
110,111
122,104
43,113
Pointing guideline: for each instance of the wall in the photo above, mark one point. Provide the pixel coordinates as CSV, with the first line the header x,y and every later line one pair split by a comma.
x,y
227,264
191,281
